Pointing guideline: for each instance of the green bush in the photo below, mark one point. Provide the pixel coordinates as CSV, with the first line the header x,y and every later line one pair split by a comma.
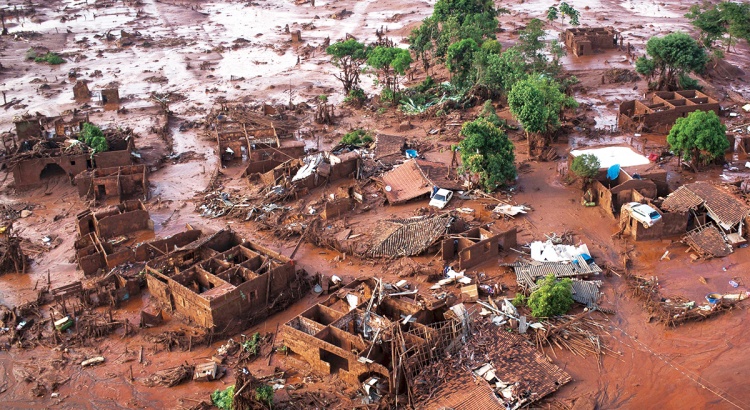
x,y
93,136
49,58
224,399
585,166
357,137
356,95
264,394
252,345
552,298
520,300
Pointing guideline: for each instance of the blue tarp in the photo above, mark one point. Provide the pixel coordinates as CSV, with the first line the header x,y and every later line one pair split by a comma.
x,y
613,172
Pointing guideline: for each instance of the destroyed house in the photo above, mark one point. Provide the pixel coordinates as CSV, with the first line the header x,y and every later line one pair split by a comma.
x,y
390,149
701,203
585,41
476,246
416,178
117,182
352,334
223,282
122,219
93,253
259,145
662,109
37,160
314,170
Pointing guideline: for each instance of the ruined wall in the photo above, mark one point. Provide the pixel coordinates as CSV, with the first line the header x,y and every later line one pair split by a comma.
x,y
479,252
508,239
336,208
325,358
603,197
124,223
27,173
28,129
258,167
150,250
111,159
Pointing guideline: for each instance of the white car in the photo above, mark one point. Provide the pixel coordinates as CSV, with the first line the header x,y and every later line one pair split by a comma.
x,y
441,198
642,213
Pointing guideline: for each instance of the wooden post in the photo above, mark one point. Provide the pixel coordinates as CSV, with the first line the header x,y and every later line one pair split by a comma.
x,y
140,355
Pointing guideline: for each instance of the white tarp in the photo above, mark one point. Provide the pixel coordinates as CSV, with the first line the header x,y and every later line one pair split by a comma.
x,y
549,252
311,164
608,156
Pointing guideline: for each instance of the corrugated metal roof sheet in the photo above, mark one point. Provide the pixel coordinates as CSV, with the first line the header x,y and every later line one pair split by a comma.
x,y
406,182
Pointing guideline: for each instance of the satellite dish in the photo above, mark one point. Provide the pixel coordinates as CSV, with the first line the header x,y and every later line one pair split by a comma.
x,y
388,188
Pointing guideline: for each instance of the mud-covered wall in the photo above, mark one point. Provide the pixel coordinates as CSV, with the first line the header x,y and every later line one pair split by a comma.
x,y
27,173
110,159
479,252
124,223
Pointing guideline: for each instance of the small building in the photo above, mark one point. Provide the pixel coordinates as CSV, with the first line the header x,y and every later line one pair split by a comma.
x,y
224,282
660,111
119,182
586,41
313,170
702,203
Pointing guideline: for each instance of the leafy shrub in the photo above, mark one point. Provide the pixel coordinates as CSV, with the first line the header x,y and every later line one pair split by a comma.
x,y
356,95
93,136
520,300
585,166
552,298
49,58
252,345
357,137
264,394
224,399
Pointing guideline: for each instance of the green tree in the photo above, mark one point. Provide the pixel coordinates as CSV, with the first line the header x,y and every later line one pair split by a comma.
x,y
93,136
699,137
552,14
460,61
421,40
390,62
671,57
444,9
349,56
531,43
489,114
537,103
715,21
503,71
553,297
487,152
586,166
567,10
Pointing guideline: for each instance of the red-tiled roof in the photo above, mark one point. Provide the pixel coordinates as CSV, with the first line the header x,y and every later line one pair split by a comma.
x,y
708,242
722,206
406,182
437,173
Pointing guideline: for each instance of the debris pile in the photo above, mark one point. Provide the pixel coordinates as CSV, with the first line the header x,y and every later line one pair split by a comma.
x,y
12,258
170,377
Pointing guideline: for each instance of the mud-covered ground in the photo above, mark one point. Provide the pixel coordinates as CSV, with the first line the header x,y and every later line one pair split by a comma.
x,y
198,54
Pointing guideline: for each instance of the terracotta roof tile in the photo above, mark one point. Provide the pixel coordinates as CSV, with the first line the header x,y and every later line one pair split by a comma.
x,y
406,182
722,206
708,242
